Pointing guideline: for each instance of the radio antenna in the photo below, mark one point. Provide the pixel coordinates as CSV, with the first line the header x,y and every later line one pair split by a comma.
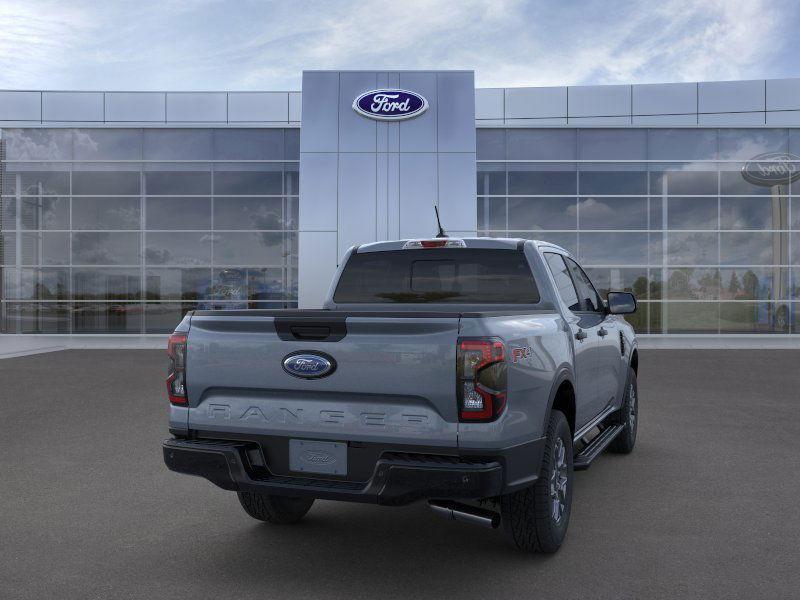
x,y
442,233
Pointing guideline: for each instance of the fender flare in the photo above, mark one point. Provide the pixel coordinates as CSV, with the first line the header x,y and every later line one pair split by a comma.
x,y
563,373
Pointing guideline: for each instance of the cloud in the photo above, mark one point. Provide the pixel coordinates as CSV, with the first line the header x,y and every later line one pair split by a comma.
x,y
266,45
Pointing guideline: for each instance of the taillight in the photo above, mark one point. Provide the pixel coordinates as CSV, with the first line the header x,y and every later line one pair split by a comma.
x,y
436,243
481,383
176,378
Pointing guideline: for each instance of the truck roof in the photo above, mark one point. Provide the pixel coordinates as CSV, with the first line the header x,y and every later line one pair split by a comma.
x,y
471,242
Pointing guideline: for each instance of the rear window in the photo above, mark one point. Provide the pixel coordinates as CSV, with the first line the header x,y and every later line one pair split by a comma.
x,y
437,275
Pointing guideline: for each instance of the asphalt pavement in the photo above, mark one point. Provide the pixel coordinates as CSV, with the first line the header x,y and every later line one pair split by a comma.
x,y
705,507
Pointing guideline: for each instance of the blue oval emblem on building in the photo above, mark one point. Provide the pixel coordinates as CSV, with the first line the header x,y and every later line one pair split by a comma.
x,y
309,365
772,168
390,105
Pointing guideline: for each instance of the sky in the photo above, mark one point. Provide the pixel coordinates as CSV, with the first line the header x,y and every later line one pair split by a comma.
x,y
265,45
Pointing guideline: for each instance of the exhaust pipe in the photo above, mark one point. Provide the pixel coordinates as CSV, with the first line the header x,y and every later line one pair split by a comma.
x,y
465,513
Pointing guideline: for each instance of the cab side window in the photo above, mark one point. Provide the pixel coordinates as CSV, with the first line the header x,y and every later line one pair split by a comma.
x,y
564,285
589,298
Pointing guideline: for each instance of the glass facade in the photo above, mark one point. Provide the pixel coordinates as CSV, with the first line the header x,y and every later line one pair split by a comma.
x,y
124,230
664,213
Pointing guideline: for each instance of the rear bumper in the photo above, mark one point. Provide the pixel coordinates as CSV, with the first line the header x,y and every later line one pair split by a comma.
x,y
398,478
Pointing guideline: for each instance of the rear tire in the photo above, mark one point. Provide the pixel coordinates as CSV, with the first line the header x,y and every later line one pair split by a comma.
x,y
536,518
628,415
279,510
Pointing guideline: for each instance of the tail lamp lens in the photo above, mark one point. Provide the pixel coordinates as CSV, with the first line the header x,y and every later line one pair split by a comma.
x,y
481,382
176,377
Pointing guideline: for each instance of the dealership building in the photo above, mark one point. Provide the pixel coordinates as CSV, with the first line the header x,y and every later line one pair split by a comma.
x,y
123,210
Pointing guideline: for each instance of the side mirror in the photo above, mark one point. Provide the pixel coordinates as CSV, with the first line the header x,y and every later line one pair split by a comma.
x,y
621,303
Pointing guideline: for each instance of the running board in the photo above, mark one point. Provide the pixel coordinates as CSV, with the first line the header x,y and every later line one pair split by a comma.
x,y
584,459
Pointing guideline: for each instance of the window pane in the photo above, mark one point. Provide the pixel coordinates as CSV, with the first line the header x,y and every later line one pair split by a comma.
x,y
250,248
754,283
691,317
750,248
106,284
177,284
36,284
613,248
178,144
751,317
693,284
107,144
613,182
38,144
8,213
619,280
105,213
564,285
248,144
45,212
34,317
117,248
754,213
608,144
490,144
541,144
178,213
530,182
175,248
542,213
746,144
733,182
683,183
35,183
291,142
692,213
291,178
248,182
248,213
491,179
178,183
117,183
49,248
682,144
491,214
589,301
107,318
692,248
612,213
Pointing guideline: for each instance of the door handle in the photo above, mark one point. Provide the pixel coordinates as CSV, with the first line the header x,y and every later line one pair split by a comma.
x,y
581,335
602,332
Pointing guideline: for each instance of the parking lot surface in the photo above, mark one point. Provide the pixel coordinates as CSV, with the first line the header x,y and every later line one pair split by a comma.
x,y
705,507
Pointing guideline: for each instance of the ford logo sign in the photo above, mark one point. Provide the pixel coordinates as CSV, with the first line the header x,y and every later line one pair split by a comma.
x,y
309,365
772,168
390,105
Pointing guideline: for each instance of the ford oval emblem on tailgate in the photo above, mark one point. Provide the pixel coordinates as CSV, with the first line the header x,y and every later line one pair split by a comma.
x,y
309,365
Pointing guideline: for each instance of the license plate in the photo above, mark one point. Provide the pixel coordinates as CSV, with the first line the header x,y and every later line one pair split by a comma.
x,y
309,456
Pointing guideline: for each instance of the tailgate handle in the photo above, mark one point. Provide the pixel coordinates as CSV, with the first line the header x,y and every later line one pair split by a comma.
x,y
310,330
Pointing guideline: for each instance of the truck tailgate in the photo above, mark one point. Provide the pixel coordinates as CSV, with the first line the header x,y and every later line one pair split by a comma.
x,y
394,379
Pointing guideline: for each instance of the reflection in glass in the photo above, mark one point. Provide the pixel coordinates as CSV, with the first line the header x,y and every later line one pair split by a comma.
x,y
46,248
692,213
174,212
44,212
674,180
754,248
105,248
249,213
613,248
177,284
178,248
38,144
682,144
117,183
107,144
164,317
491,214
620,280
36,183
490,144
690,317
107,317
612,213
541,144
692,248
106,284
541,213
751,317
522,182
36,284
250,248
248,182
105,213
754,283
36,317
613,182
177,183
491,179
693,284
612,144
754,213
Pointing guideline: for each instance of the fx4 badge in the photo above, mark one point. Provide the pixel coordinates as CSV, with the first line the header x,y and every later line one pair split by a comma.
x,y
520,354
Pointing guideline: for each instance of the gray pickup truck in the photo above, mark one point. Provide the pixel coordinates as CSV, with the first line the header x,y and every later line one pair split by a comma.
x,y
476,374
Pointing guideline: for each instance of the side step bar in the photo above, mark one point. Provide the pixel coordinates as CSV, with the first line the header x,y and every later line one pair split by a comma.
x,y
584,458
464,513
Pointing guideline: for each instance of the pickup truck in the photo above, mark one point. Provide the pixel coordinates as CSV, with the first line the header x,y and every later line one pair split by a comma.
x,y
476,374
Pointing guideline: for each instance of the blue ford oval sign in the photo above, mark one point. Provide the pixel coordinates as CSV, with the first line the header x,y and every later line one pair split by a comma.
x,y
772,168
390,105
309,365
